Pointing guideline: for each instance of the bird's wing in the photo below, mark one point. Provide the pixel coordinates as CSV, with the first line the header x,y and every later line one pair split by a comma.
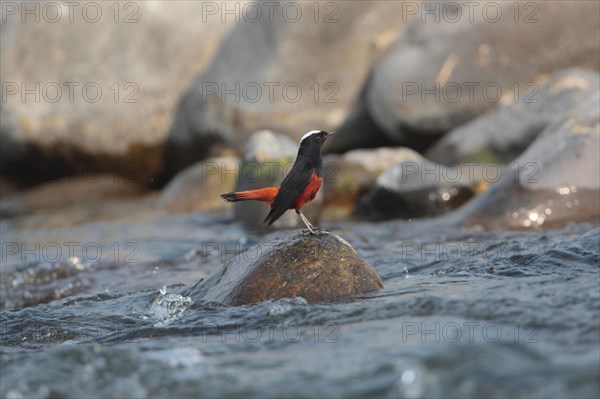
x,y
290,190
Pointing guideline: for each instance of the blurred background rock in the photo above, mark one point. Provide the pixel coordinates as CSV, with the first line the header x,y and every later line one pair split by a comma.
x,y
146,96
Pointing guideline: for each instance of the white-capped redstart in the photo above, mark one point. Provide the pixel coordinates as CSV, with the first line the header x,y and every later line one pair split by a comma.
x,y
300,185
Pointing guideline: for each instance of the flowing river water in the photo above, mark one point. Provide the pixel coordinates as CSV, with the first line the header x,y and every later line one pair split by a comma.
x,y
102,310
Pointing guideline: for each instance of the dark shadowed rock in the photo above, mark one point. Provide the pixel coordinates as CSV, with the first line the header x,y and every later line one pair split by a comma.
x,y
282,74
266,160
416,188
502,134
358,130
555,182
443,73
198,187
101,92
8,186
317,269
355,173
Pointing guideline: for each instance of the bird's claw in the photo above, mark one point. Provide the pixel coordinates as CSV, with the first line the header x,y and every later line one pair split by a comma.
x,y
315,231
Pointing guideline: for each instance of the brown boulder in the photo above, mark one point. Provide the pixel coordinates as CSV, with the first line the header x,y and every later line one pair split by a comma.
x,y
316,268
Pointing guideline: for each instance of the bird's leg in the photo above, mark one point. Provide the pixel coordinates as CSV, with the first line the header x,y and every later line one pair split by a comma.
x,y
308,225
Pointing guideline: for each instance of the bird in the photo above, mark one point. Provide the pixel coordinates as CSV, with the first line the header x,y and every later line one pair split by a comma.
x,y
298,188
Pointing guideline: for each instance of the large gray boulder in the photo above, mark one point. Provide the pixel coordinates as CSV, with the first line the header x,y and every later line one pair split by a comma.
x,y
443,73
290,74
503,133
103,87
317,269
554,183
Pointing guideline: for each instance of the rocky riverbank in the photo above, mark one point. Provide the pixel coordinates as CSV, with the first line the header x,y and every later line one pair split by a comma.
x,y
461,200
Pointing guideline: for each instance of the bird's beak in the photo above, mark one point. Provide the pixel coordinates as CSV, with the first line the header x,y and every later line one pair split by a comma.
x,y
329,134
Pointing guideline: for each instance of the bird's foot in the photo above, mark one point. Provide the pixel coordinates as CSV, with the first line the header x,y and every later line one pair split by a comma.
x,y
309,232
315,231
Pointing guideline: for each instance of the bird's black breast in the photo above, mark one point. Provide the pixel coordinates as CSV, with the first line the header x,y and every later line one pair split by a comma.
x,y
293,186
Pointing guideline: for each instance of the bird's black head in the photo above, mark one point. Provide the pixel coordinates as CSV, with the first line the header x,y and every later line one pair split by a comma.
x,y
313,140
309,153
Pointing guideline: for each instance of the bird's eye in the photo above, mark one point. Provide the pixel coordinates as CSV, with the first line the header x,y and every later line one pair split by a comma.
x,y
318,138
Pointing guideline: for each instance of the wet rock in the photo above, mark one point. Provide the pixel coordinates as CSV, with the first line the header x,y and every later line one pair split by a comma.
x,y
554,183
352,174
502,134
443,73
198,187
282,74
317,269
267,159
62,109
416,188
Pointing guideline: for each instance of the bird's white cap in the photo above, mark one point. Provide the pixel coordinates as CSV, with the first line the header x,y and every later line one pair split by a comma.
x,y
309,133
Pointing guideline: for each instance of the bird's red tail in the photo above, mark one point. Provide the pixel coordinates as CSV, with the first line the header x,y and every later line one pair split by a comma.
x,y
266,195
